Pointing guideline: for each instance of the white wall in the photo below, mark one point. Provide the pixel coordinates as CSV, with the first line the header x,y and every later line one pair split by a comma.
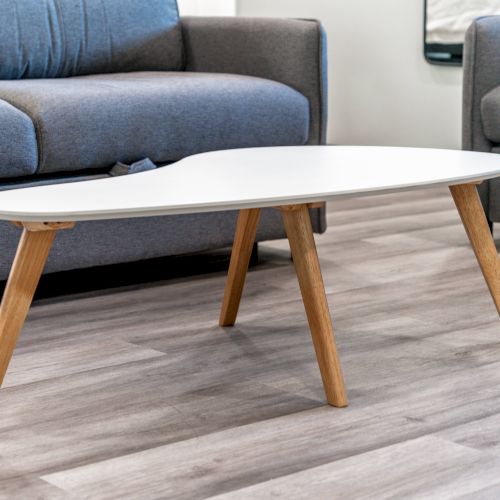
x,y
382,91
207,7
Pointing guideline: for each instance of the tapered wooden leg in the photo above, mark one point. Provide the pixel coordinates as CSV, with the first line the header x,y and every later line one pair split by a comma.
x,y
476,225
27,268
244,239
300,234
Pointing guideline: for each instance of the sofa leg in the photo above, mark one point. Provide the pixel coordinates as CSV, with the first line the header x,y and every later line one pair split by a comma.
x,y
474,219
32,253
244,240
300,235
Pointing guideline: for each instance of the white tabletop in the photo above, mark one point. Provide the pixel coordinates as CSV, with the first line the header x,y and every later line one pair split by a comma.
x,y
248,178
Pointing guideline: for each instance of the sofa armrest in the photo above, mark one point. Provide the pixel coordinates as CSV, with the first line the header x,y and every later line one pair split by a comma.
x,y
481,75
288,51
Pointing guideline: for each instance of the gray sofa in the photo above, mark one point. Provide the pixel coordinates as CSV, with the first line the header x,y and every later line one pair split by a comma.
x,y
481,103
87,83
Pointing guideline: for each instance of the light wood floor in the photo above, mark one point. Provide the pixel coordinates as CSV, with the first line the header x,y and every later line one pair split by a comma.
x,y
138,394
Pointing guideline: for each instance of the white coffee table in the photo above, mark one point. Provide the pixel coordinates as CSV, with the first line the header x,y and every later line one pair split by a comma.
x,y
291,179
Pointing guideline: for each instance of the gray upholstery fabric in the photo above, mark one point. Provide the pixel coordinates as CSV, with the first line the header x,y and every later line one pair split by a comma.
x,y
490,115
494,197
285,50
481,76
55,38
92,244
18,148
96,121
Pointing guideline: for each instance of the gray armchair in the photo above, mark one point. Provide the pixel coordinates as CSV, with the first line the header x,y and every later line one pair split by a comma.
x,y
92,83
481,101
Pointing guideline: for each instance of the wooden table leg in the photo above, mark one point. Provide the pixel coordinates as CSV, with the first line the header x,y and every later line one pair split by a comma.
x,y
244,239
476,225
300,234
27,268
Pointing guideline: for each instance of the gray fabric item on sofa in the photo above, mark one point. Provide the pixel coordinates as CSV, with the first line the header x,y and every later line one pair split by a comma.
x,y
143,165
18,147
57,38
94,121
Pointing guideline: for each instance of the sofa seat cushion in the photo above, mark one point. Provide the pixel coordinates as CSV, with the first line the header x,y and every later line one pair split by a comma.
x,y
58,38
96,121
18,147
490,115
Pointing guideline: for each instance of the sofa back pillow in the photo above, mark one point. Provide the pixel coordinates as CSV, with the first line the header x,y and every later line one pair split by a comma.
x,y
58,38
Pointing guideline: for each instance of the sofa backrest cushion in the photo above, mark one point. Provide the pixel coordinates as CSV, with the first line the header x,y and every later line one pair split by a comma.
x,y
58,38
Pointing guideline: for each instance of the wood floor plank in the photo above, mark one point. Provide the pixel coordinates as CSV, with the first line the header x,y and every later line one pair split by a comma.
x,y
64,357
488,493
424,468
15,485
480,434
103,414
